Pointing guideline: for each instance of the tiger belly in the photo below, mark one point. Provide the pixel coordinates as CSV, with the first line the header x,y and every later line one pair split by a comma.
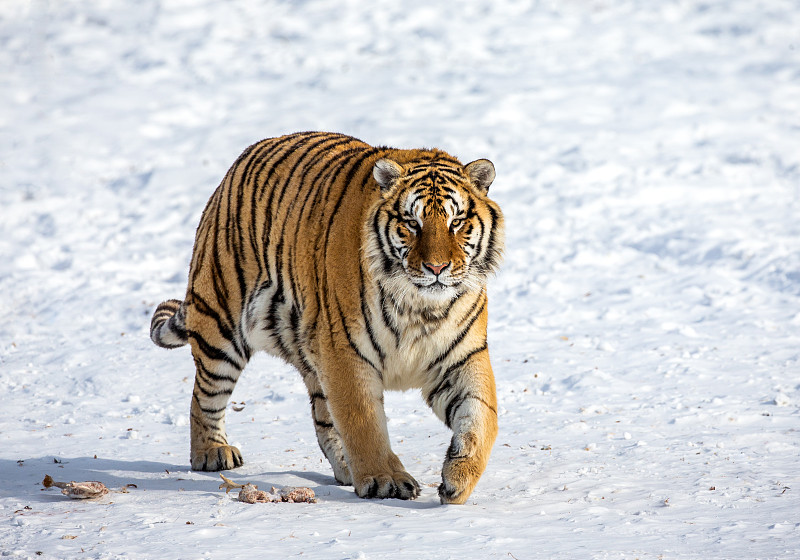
x,y
268,326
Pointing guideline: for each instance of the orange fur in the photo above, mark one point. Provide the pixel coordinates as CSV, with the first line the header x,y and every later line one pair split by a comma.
x,y
363,267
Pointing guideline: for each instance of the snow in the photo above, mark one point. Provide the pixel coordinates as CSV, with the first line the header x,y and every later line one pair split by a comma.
x,y
644,329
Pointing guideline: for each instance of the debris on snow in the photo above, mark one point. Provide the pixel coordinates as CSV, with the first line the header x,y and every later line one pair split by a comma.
x,y
78,490
781,400
249,493
83,490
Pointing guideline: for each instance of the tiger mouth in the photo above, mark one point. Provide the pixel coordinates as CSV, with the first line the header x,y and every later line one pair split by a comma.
x,y
435,285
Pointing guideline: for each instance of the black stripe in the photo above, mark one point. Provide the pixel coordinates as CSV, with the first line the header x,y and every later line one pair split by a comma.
x,y
455,403
301,141
312,155
356,167
212,394
305,367
203,372
388,320
220,287
167,345
458,338
327,174
350,340
271,149
217,439
177,324
212,351
431,316
234,222
209,411
465,359
295,141
478,300
383,242
321,198
279,297
225,329
322,270
231,226
445,376
212,411
492,256
365,313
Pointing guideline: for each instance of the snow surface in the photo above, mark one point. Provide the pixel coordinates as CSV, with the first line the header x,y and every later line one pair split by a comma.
x,y
644,329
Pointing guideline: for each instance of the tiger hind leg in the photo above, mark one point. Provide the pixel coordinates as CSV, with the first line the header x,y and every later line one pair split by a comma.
x,y
330,442
213,384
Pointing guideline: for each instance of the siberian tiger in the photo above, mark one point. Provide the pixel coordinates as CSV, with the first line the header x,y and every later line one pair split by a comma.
x,y
365,268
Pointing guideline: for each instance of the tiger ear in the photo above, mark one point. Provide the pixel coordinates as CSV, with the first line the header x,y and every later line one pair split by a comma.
x,y
386,172
481,173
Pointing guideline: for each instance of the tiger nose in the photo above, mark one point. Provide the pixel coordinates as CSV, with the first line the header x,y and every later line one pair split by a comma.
x,y
436,268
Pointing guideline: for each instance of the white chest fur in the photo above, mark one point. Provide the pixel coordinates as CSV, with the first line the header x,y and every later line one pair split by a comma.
x,y
413,342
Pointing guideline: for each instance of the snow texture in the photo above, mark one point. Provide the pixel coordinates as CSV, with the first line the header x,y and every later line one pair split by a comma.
x,y
644,329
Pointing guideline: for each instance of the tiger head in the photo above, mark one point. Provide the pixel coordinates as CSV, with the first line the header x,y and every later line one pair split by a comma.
x,y
434,234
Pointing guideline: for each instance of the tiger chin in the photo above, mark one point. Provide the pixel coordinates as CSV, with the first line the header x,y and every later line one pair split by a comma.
x,y
365,268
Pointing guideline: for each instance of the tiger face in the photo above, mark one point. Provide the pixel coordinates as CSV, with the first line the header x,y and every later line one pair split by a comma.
x,y
434,233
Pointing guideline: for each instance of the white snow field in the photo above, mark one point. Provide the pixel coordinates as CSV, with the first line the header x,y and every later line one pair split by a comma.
x,y
644,328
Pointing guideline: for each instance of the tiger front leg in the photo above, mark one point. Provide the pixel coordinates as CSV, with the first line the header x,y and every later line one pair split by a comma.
x,y
354,395
465,399
330,442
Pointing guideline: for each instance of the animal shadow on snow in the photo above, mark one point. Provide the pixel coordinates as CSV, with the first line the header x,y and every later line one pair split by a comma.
x,y
22,479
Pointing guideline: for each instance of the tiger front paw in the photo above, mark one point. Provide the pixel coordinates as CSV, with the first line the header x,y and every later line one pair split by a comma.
x,y
462,468
217,458
459,477
387,485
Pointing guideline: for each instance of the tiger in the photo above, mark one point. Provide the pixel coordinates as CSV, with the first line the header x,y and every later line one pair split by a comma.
x,y
366,269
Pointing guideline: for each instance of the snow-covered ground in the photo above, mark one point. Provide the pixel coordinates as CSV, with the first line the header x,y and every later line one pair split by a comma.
x,y
645,327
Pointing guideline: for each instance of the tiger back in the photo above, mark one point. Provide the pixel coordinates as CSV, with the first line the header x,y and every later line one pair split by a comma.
x,y
365,268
